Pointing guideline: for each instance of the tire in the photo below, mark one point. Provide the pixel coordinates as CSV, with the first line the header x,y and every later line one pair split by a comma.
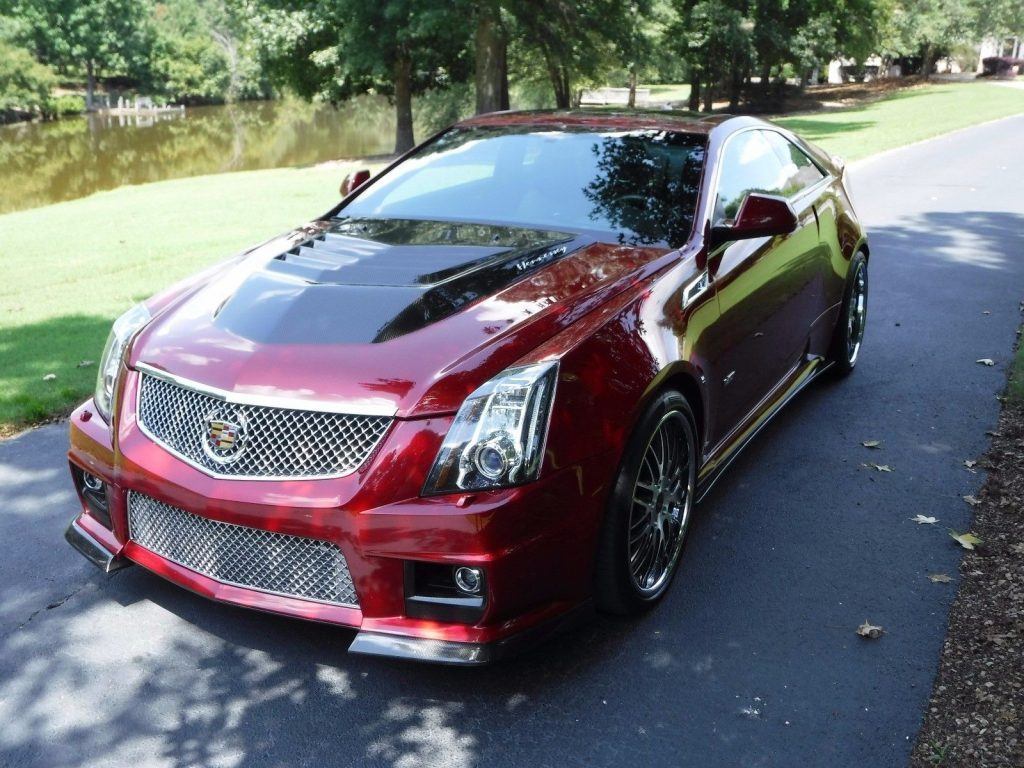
x,y
648,514
848,336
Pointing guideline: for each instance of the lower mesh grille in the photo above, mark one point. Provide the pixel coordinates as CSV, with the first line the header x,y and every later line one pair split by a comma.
x,y
245,557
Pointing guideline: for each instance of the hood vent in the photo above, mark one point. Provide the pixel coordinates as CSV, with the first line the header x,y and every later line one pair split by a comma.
x,y
372,280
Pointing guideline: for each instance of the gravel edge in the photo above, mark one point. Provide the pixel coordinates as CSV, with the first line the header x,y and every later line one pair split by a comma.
x,y
976,713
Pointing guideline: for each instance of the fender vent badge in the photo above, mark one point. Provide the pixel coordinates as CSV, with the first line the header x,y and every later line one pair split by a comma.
x,y
695,288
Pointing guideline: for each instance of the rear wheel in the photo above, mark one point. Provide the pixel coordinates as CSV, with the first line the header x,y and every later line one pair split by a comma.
x,y
849,333
649,510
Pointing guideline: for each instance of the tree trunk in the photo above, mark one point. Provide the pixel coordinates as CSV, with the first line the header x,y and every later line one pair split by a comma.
x,y
694,103
805,78
927,60
491,62
403,104
559,83
766,79
90,85
631,102
230,47
735,84
709,95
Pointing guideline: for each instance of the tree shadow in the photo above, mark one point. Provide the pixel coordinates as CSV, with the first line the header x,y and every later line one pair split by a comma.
x,y
789,552
56,346
815,130
981,240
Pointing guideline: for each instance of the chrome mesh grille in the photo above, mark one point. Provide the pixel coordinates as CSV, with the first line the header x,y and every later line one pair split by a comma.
x,y
294,566
276,443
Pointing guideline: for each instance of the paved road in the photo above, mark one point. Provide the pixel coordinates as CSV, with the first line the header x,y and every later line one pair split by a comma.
x,y
751,660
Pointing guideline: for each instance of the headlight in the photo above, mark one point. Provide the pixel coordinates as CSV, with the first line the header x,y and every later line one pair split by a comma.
x,y
497,438
125,327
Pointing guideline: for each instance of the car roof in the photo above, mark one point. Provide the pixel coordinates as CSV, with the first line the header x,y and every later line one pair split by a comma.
x,y
610,119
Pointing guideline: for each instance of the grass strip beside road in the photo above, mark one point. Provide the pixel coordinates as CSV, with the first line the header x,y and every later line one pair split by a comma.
x,y
906,116
71,268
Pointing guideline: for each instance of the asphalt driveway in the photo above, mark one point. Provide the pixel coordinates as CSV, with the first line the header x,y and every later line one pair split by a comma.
x,y
751,660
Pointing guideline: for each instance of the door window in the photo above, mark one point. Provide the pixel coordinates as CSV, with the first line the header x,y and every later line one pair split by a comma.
x,y
750,165
799,171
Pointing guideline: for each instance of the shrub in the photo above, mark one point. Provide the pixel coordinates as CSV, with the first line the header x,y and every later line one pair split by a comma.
x,y
67,104
25,84
1001,66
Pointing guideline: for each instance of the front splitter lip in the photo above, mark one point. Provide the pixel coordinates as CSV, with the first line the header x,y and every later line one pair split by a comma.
x,y
463,654
91,549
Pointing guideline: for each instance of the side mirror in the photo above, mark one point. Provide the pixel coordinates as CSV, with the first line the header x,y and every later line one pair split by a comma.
x,y
759,216
354,180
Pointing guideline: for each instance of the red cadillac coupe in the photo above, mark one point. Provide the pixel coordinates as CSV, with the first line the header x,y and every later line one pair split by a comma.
x,y
485,391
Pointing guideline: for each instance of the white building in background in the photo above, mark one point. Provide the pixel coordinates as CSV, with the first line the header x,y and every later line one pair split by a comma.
x,y
841,70
838,71
1007,46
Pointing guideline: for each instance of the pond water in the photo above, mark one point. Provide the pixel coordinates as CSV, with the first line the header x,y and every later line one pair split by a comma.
x,y
43,163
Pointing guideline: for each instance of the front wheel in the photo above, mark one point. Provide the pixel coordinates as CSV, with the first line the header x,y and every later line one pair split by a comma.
x,y
849,332
649,510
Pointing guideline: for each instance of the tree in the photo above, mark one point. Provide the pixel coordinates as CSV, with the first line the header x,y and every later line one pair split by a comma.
x,y
90,36
997,18
201,52
344,47
636,41
25,84
573,39
490,48
924,28
715,38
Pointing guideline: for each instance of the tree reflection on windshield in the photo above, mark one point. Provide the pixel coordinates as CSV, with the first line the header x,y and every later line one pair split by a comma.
x,y
646,186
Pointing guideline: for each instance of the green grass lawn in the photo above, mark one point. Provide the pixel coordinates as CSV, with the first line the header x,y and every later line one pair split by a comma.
x,y
906,116
71,268
673,92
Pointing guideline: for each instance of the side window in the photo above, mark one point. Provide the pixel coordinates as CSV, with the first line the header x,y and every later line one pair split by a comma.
x,y
800,171
750,164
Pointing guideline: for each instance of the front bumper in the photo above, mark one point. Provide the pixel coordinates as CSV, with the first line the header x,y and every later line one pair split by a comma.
x,y
534,543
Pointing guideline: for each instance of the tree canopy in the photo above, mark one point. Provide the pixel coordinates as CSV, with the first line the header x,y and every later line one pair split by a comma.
x,y
201,51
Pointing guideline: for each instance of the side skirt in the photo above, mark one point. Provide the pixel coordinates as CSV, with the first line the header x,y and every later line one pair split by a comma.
x,y
811,371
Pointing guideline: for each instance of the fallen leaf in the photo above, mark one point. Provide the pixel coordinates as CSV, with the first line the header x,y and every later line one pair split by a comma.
x,y
872,444
972,500
986,361
85,364
50,377
921,519
870,631
879,467
939,578
965,540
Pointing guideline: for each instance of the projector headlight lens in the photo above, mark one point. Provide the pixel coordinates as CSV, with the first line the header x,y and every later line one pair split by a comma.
x,y
497,438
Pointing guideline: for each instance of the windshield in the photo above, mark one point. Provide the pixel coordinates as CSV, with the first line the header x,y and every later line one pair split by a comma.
x,y
638,186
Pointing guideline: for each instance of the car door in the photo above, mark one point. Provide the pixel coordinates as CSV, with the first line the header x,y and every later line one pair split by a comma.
x,y
810,189
767,288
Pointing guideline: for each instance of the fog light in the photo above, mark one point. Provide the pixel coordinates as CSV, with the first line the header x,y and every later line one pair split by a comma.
x,y
468,580
92,482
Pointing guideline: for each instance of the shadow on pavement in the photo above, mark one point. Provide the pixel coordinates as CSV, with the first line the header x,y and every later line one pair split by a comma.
x,y
751,660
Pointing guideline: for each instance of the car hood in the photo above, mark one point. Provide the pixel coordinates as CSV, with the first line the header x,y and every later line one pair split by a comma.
x,y
383,315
